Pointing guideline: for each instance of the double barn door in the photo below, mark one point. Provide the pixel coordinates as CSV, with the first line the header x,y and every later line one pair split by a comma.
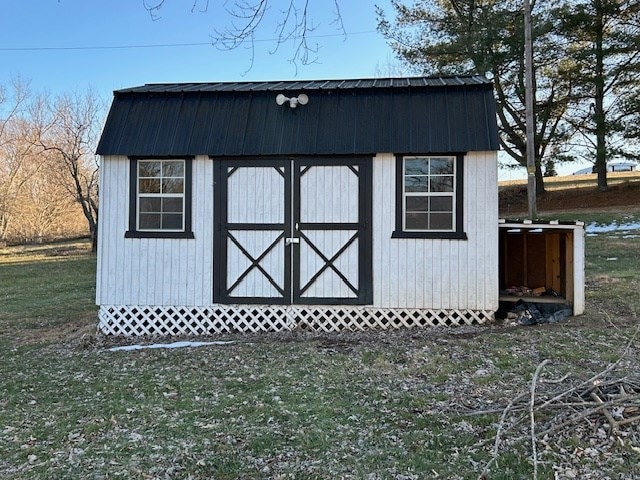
x,y
293,231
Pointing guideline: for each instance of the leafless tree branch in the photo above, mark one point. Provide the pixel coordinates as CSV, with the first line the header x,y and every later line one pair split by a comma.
x,y
294,23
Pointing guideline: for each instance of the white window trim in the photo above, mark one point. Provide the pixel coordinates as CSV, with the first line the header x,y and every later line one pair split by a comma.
x,y
160,195
452,194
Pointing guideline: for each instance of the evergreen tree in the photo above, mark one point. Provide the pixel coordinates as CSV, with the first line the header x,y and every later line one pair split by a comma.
x,y
550,168
487,37
603,39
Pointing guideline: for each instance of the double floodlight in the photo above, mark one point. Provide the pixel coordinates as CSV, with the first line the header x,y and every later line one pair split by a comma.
x,y
301,99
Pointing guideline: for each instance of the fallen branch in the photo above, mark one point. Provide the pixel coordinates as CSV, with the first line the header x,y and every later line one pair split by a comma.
x,y
534,450
496,443
597,375
607,413
587,413
597,395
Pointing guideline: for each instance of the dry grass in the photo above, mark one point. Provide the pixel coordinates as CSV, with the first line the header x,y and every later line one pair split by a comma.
x,y
574,194
569,181
378,405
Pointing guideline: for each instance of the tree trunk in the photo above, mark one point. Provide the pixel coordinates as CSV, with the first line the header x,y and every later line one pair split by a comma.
x,y
599,113
4,224
94,239
539,179
93,223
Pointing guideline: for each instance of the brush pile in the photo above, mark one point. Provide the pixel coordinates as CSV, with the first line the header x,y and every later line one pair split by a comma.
x,y
571,426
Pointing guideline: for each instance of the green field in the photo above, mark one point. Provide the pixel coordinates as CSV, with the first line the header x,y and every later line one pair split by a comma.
x,y
381,405
571,181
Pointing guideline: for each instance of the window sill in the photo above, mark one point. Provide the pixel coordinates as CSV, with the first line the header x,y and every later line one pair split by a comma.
x,y
136,234
431,235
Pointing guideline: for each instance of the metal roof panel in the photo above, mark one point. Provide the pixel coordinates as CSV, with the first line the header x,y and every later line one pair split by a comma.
x,y
404,115
397,82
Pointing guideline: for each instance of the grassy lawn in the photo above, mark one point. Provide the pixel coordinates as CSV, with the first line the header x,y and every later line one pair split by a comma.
x,y
399,405
569,181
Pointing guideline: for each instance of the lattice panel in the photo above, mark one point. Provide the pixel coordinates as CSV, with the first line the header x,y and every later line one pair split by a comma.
x,y
156,320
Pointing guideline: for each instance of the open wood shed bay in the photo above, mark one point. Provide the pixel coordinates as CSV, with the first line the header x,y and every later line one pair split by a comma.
x,y
321,205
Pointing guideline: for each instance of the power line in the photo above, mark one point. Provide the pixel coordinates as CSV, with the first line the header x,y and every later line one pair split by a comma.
x,y
102,47
165,45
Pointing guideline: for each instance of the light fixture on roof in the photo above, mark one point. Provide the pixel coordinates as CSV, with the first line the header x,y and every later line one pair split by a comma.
x,y
301,99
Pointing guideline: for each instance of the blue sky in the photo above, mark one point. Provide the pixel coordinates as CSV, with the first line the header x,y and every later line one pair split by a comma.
x,y
45,43
48,43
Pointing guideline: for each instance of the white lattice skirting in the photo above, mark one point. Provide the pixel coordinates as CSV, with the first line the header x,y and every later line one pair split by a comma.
x,y
164,320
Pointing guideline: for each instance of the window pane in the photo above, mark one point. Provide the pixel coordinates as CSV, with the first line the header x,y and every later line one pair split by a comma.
x,y
172,205
416,166
173,168
429,193
441,221
417,204
149,186
441,184
441,166
172,185
441,204
416,184
161,189
149,221
172,221
148,169
150,205
417,221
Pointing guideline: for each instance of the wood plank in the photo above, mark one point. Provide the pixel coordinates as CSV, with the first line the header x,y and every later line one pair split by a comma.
x,y
569,252
530,299
552,261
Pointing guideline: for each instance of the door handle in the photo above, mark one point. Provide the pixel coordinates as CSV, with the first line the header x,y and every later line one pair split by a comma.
x,y
289,240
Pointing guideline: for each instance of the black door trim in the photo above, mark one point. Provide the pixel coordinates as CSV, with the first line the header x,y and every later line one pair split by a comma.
x,y
223,169
361,167
293,291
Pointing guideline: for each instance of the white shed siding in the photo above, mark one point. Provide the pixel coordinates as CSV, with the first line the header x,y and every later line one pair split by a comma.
x,y
150,271
256,195
438,273
329,194
407,273
329,284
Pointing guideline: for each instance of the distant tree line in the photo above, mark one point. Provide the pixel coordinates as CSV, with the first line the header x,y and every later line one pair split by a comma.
x,y
48,170
586,63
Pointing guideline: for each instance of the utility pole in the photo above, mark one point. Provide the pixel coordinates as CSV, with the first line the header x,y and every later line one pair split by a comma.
x,y
530,120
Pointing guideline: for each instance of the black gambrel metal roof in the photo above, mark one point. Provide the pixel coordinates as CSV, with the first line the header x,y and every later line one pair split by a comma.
x,y
398,115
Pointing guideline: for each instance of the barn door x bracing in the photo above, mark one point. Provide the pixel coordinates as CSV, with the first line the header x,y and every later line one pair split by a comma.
x,y
293,231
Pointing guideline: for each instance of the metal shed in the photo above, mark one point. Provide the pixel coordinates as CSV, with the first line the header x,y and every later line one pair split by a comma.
x,y
325,205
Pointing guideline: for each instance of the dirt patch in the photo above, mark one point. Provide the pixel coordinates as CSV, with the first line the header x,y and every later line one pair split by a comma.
x,y
71,335
513,198
86,337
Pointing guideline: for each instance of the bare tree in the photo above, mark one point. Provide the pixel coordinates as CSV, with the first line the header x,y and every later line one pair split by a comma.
x,y
392,67
46,154
67,131
45,211
17,164
295,24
